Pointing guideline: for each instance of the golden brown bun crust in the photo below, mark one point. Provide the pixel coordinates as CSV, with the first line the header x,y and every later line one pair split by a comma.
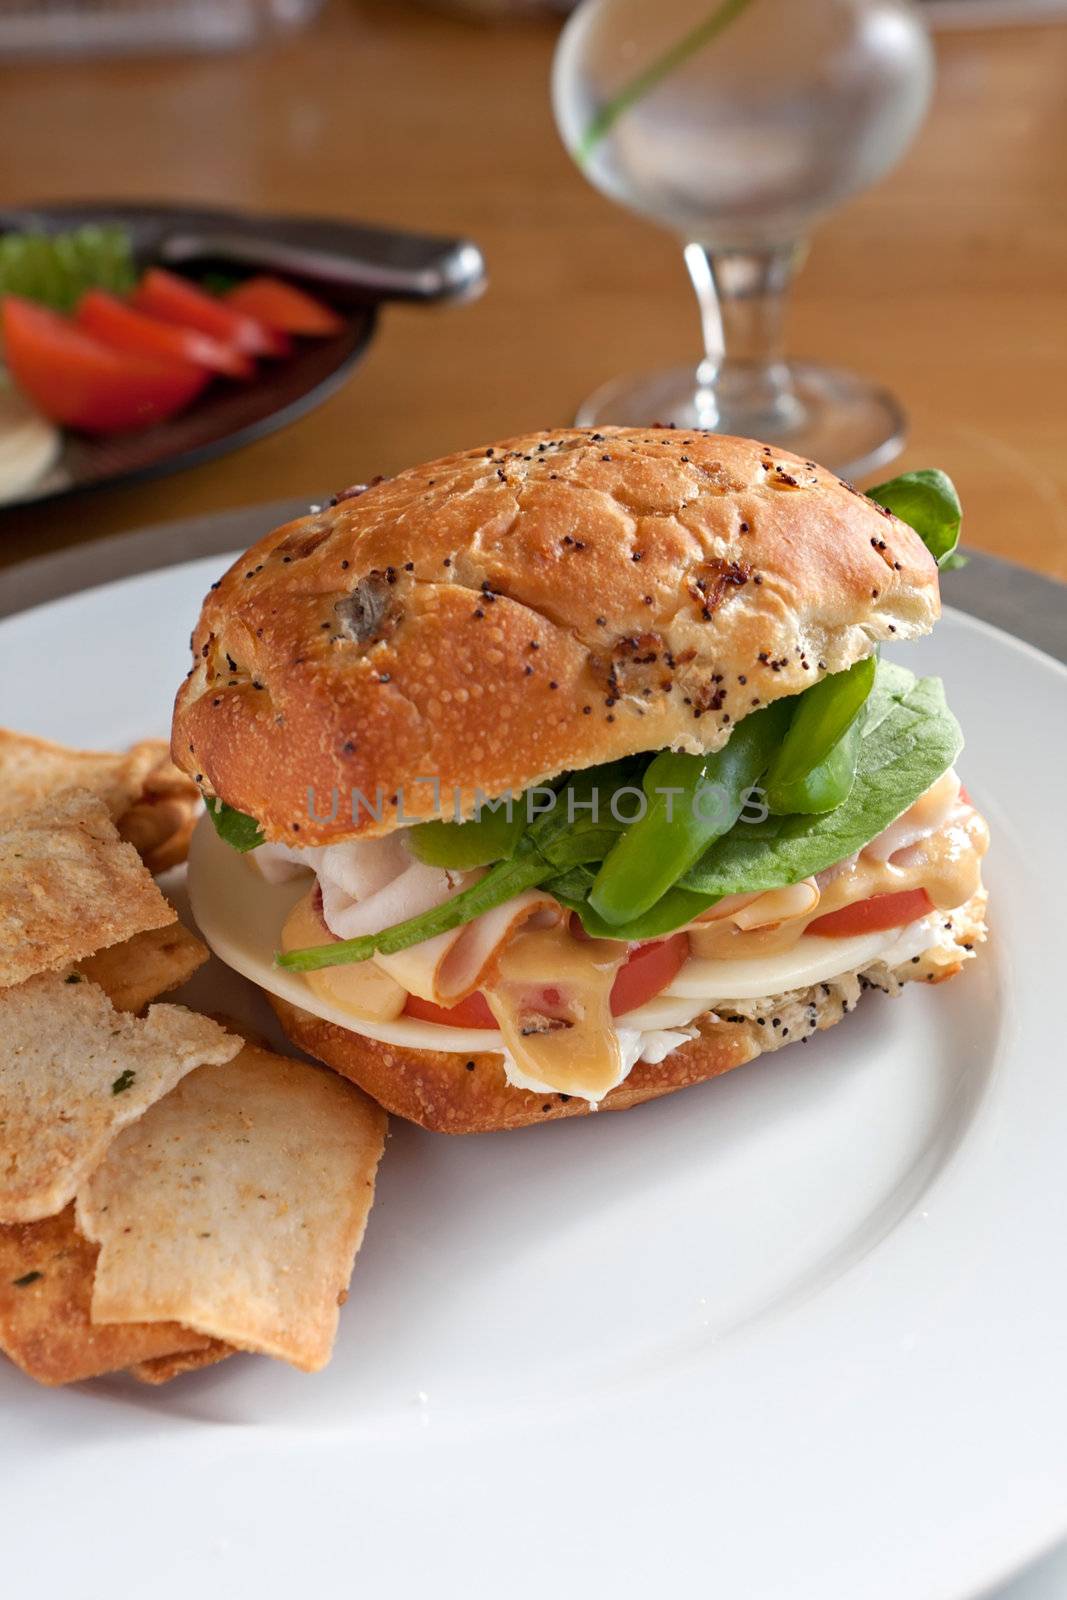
x,y
469,1094
508,613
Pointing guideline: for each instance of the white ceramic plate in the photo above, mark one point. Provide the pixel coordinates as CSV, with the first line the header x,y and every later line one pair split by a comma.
x,y
798,1333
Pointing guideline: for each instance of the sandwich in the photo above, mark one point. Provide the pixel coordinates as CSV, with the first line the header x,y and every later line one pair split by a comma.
x,y
562,773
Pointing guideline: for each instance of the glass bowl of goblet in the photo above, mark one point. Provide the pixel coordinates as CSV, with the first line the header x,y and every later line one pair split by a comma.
x,y
739,126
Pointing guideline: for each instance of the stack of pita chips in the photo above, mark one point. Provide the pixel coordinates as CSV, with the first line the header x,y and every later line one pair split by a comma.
x,y
168,1192
153,804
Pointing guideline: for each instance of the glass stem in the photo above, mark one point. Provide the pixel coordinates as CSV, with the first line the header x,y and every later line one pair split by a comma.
x,y
741,295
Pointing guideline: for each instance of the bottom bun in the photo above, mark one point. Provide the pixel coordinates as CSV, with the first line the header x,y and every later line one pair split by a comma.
x,y
450,1093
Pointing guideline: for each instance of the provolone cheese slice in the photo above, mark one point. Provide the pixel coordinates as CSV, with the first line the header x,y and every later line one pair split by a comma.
x,y
241,916
811,960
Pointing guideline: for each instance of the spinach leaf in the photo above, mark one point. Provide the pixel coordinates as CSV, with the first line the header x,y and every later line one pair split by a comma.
x,y
239,830
672,910
927,501
582,812
490,837
581,821
909,739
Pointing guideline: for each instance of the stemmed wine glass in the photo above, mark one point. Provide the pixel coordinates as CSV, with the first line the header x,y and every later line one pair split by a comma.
x,y
739,125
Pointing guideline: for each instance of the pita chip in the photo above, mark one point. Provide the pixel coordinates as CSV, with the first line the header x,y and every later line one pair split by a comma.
x,y
152,802
160,822
32,770
236,1206
139,970
69,886
73,1073
161,1369
46,1284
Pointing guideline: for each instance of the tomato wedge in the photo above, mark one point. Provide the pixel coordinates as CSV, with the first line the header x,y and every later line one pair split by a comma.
x,y
284,308
124,328
176,300
82,383
872,916
647,971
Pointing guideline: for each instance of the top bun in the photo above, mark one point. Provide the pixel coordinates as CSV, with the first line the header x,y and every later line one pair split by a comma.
x,y
540,605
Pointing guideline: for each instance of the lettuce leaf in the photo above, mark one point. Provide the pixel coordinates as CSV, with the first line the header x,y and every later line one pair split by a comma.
x,y
909,739
57,269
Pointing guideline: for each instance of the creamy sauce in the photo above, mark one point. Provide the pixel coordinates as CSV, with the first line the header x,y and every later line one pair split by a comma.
x,y
361,988
551,996
946,863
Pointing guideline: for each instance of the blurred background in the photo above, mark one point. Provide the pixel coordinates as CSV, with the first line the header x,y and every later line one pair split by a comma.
x,y
944,282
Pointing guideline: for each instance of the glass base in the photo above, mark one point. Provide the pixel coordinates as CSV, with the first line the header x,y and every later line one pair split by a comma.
x,y
832,417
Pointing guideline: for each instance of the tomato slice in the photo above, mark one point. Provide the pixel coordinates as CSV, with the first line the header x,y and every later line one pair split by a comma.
x,y
473,1012
873,915
284,308
648,970
80,382
124,328
176,300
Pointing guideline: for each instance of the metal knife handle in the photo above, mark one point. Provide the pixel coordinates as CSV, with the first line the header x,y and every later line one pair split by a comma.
x,y
356,261
364,262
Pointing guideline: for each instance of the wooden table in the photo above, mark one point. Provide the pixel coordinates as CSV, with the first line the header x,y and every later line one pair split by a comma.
x,y
946,283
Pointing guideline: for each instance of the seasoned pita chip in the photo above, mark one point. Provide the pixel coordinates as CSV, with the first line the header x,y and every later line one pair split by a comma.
x,y
46,1284
232,1024
160,823
69,886
73,1072
153,755
154,804
159,831
32,770
236,1206
161,1369
142,968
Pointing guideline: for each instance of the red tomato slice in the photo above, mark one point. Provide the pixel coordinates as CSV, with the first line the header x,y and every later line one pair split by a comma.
x,y
649,968
283,307
120,326
173,299
80,382
873,915
473,1012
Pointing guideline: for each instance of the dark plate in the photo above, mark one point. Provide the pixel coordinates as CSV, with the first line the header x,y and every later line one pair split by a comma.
x,y
226,416
353,267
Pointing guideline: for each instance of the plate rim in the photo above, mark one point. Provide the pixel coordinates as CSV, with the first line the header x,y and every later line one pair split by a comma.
x,y
1013,1556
